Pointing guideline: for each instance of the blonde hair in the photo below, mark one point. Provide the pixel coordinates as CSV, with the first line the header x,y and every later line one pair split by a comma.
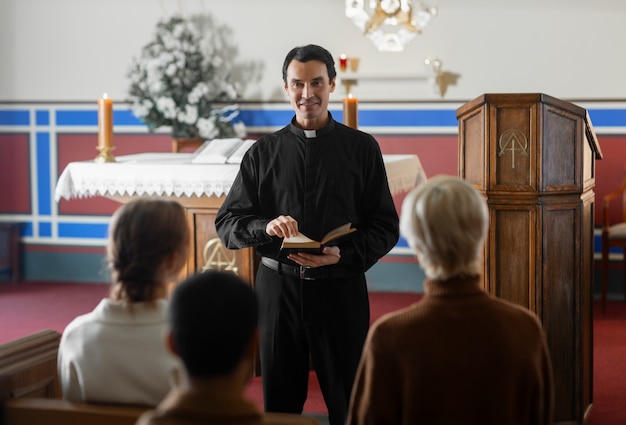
x,y
445,222
143,235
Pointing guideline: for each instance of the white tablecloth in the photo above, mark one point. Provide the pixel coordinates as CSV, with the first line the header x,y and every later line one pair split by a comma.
x,y
173,174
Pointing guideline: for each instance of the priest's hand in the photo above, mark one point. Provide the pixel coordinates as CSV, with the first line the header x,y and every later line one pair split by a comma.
x,y
283,226
330,255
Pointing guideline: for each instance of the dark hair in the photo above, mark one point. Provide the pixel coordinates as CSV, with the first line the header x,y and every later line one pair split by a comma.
x,y
212,317
308,53
142,235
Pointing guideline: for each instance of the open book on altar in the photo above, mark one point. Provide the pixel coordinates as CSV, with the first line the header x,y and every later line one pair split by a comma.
x,y
222,151
302,243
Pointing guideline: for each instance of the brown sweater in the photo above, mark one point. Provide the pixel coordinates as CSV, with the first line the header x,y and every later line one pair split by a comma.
x,y
458,356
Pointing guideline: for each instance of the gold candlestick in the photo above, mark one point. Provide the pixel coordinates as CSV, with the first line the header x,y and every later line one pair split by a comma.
x,y
105,154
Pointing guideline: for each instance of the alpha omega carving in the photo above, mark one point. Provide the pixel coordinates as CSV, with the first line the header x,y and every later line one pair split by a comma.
x,y
218,257
513,140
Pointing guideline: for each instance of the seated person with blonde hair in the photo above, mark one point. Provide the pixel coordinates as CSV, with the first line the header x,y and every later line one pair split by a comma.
x,y
213,328
459,355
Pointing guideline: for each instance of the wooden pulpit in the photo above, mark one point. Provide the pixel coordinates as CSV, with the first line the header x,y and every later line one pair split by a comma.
x,y
533,158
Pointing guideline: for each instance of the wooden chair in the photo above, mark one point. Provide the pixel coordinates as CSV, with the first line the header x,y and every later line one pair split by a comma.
x,y
613,235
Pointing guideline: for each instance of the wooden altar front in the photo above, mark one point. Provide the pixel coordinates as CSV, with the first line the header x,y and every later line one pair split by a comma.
x,y
533,157
207,251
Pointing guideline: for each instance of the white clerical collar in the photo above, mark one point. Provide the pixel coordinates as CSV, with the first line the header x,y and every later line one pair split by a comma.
x,y
310,134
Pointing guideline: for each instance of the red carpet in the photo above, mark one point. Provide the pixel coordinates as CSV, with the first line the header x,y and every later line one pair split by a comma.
x,y
28,307
609,363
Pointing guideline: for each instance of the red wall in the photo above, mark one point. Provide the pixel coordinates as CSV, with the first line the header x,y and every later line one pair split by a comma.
x,y
610,173
15,174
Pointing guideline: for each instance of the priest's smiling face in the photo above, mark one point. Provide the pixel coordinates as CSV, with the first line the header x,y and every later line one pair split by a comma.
x,y
309,89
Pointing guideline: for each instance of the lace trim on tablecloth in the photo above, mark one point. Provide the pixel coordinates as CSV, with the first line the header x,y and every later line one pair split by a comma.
x,y
145,175
84,188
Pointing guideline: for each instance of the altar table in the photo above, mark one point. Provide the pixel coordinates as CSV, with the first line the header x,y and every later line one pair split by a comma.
x,y
200,188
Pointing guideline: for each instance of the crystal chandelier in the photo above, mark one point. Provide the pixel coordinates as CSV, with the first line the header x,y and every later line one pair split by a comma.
x,y
390,24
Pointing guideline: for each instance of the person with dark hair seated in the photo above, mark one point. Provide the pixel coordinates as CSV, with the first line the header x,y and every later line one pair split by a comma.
x,y
213,329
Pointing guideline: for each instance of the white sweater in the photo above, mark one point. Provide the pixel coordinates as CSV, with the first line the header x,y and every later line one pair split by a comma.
x,y
117,355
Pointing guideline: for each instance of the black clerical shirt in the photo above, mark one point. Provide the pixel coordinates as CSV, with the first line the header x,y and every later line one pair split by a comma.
x,y
323,179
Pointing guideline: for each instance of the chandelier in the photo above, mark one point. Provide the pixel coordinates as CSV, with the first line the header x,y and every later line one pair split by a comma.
x,y
390,24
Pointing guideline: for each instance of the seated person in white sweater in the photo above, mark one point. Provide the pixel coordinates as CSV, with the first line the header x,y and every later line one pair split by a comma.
x,y
214,330
115,354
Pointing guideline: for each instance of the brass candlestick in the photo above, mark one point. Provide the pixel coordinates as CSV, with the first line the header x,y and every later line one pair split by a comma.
x,y
105,154
348,83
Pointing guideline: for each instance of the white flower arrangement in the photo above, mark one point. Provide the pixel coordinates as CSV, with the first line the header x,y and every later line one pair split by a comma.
x,y
174,84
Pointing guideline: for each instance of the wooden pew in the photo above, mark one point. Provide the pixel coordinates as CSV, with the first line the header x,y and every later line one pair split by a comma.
x,y
30,390
28,366
34,411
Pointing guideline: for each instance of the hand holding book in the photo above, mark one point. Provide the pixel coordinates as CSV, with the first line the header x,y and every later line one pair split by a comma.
x,y
302,243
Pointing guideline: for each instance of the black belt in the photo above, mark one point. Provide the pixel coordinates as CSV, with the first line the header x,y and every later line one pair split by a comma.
x,y
305,273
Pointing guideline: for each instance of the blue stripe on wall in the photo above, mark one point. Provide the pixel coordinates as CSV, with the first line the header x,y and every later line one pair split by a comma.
x,y
597,245
407,118
15,117
90,118
367,117
280,118
44,198
267,118
77,118
608,117
42,117
402,243
27,229
83,230
45,229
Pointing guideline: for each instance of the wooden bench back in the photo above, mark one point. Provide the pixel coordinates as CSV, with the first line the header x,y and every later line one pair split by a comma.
x,y
33,411
28,366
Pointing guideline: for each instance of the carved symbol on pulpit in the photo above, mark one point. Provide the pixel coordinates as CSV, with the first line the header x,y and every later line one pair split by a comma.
x,y
513,141
217,257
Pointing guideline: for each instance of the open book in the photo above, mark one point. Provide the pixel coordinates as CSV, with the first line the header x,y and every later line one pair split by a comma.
x,y
302,243
216,151
222,151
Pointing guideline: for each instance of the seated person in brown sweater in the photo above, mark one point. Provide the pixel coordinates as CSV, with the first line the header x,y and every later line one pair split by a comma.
x,y
213,329
459,355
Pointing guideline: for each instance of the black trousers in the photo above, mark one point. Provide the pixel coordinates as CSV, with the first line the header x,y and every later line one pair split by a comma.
x,y
328,318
